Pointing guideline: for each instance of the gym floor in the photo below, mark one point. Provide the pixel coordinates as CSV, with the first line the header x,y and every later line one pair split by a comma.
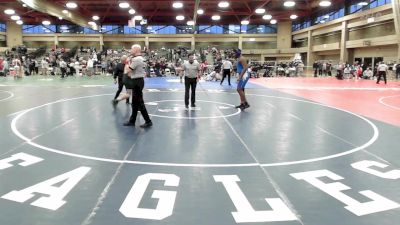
x,y
309,151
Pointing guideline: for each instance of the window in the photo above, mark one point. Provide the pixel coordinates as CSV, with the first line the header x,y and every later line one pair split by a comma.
x,y
89,31
132,30
326,17
2,27
206,29
70,29
351,7
232,29
354,7
184,29
301,25
161,29
38,29
112,29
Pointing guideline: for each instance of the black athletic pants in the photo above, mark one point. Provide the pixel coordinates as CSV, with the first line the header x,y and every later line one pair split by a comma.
x,y
31,70
138,102
120,87
380,74
190,83
226,73
63,72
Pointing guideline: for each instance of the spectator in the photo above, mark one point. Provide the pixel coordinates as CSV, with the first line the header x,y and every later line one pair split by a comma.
x,y
398,70
368,74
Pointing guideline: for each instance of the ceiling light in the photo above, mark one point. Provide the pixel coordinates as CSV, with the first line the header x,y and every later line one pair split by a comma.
x,y
223,4
200,11
95,17
9,11
363,3
245,22
177,5
24,5
138,18
65,11
92,23
71,5
273,21
15,17
46,22
132,11
60,18
325,3
19,22
267,17
124,5
180,17
289,3
293,17
216,17
260,11
190,23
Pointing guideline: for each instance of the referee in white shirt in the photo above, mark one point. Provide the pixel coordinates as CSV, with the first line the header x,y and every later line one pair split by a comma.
x,y
382,70
191,71
227,71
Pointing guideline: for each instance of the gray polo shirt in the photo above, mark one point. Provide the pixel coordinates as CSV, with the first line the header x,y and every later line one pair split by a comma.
x,y
138,67
191,70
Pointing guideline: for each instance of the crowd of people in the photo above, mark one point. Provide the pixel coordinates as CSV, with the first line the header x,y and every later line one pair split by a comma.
x,y
357,70
214,64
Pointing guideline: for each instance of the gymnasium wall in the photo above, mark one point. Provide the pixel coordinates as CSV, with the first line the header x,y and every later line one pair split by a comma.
x,y
259,45
389,52
38,44
70,44
376,30
327,38
159,45
120,45
219,45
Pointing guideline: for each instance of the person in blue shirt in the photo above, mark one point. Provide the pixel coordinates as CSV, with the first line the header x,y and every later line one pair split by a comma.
x,y
243,78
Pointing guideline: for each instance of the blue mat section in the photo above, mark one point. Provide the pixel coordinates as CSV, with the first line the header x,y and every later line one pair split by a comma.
x,y
173,83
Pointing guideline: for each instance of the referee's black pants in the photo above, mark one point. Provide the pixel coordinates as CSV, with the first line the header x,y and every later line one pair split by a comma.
x,y
190,83
380,75
138,102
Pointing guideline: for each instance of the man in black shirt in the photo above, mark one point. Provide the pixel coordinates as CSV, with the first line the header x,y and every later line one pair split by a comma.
x,y
118,75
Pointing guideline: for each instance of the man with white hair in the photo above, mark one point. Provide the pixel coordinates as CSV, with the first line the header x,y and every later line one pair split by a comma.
x,y
136,71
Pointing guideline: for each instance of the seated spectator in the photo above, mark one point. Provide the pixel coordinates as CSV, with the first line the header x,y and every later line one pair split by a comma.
x,y
368,74
347,72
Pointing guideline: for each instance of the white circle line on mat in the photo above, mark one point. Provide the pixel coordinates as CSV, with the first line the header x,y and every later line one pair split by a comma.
x,y
30,142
